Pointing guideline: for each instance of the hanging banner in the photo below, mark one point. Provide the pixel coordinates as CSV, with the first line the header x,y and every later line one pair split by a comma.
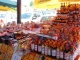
x,y
41,1
46,4
68,0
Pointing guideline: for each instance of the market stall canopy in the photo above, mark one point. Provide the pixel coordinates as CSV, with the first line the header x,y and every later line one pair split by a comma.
x,y
6,8
8,3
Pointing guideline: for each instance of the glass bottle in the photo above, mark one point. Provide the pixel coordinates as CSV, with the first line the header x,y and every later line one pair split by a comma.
x,y
54,49
36,43
54,52
43,49
62,50
61,55
39,46
46,50
71,56
49,51
32,46
57,54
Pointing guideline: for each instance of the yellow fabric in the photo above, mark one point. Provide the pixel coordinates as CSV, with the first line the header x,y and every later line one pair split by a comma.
x,y
6,49
5,8
69,0
50,4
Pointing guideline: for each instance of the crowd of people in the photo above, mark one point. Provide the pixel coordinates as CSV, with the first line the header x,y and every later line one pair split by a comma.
x,y
7,32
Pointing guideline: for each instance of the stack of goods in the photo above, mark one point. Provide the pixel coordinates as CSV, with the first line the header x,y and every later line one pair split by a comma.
x,y
32,26
19,35
46,27
66,27
25,43
69,21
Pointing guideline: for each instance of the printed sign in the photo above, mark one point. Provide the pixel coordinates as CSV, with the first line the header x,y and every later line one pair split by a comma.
x,y
41,1
68,0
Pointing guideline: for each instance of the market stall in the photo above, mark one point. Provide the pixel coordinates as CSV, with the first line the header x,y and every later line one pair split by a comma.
x,y
53,39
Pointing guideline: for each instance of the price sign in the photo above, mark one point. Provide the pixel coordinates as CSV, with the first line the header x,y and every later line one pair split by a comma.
x,y
68,0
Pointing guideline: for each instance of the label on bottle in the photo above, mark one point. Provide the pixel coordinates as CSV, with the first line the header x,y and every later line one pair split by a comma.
x,y
58,52
43,48
49,51
66,56
46,50
53,52
71,57
61,55
55,37
35,47
39,48
77,12
32,46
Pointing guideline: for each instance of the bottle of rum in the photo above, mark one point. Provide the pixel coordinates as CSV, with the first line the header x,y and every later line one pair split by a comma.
x,y
54,52
39,46
54,49
49,51
36,43
62,51
57,54
43,49
46,50
32,46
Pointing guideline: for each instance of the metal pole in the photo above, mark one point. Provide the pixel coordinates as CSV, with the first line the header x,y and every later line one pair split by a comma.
x,y
18,11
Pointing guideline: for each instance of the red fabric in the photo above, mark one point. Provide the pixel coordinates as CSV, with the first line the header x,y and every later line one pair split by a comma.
x,y
77,58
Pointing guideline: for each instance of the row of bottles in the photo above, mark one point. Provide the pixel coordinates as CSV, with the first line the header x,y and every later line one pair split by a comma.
x,y
54,49
45,50
53,52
